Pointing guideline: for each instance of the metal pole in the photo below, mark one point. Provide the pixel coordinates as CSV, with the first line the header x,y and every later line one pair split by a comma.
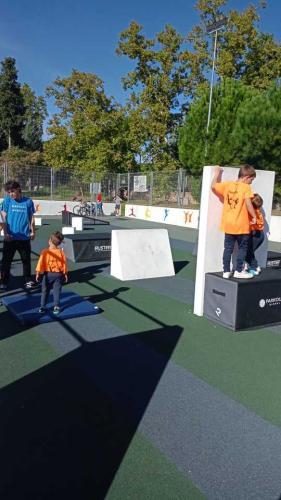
x,y
51,186
212,81
151,189
128,182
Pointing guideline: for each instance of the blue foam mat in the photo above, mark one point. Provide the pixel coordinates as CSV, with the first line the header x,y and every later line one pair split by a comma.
x,y
25,307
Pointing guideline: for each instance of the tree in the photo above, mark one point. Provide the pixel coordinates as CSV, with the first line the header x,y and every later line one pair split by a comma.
x,y
35,112
171,69
220,146
244,52
90,132
257,131
157,84
245,128
11,104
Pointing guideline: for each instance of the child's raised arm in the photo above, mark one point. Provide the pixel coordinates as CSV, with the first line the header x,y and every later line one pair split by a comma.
x,y
216,178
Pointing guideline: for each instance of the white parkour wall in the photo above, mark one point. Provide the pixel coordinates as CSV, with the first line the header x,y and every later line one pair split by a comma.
x,y
211,239
77,223
141,253
275,228
175,216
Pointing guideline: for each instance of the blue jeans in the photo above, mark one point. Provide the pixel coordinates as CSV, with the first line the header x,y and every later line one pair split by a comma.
x,y
51,280
229,242
255,240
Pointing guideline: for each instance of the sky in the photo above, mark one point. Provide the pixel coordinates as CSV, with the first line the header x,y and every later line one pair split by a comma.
x,y
48,39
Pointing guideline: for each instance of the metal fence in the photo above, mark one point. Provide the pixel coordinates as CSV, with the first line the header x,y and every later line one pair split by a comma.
x,y
175,189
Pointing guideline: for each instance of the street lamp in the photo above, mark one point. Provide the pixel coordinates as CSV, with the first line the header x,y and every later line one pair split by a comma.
x,y
219,24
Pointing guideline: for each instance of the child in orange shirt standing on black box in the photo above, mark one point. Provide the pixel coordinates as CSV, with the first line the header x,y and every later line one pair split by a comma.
x,y
52,263
256,237
236,217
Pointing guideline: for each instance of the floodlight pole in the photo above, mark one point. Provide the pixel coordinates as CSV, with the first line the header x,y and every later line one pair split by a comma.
x,y
212,81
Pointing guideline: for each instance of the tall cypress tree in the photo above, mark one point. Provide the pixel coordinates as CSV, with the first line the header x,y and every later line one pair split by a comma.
x,y
11,104
34,116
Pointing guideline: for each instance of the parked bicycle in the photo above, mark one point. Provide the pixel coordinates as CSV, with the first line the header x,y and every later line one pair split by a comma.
x,y
85,209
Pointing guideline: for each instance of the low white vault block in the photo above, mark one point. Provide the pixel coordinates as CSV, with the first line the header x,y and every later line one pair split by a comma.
x,y
141,253
77,223
67,230
38,221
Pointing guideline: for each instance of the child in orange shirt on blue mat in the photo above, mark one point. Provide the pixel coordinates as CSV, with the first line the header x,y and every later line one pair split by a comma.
x,y
52,263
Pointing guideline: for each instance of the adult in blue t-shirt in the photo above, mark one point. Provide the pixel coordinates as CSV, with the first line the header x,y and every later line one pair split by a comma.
x,y
17,213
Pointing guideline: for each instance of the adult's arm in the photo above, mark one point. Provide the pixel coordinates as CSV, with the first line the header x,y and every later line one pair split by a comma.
x,y
32,221
32,228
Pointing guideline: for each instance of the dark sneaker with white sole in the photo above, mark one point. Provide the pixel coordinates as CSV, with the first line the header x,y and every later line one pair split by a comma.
x,y
29,285
42,310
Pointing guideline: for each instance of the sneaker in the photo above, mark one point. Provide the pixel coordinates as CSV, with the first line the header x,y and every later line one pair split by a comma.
x,y
242,275
30,284
258,269
3,287
56,310
254,272
42,310
227,274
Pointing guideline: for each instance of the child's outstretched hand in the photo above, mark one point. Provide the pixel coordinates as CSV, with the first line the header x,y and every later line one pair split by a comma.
x,y
37,277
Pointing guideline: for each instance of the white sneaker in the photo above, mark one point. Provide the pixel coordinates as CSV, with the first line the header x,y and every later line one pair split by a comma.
x,y
258,269
227,275
242,275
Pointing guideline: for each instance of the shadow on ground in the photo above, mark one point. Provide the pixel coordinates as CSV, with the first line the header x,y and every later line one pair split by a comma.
x,y
180,264
66,427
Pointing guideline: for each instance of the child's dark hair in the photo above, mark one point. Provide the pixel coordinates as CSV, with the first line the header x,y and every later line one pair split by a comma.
x,y
11,185
257,201
246,171
56,238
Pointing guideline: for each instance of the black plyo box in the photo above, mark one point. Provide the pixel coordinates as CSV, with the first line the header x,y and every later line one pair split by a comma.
x,y
88,248
273,260
66,218
242,304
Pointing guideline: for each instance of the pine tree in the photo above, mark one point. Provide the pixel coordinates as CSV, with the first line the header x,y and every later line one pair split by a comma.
x,y
34,115
11,104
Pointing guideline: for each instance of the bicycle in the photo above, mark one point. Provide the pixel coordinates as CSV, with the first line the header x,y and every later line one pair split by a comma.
x,y
85,209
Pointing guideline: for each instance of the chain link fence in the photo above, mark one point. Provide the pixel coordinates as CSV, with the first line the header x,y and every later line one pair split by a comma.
x,y
175,189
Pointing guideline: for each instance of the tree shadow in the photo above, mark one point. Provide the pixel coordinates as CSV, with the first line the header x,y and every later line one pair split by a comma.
x,y
9,326
67,426
100,297
84,274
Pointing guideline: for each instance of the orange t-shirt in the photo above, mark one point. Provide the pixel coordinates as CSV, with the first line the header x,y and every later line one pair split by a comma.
x,y
235,216
259,226
52,260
